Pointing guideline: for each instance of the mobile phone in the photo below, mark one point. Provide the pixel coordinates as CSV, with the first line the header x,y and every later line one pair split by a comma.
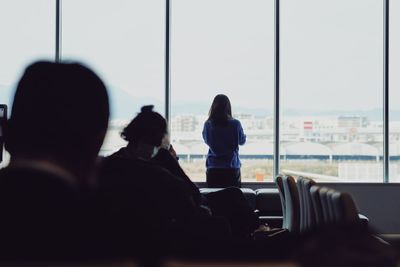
x,y
3,118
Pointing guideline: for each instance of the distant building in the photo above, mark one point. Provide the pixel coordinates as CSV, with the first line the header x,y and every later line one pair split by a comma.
x,y
243,116
247,120
352,121
184,123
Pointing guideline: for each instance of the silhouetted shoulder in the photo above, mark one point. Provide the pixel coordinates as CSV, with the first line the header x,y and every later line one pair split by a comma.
x,y
39,211
235,121
146,188
207,123
136,170
24,182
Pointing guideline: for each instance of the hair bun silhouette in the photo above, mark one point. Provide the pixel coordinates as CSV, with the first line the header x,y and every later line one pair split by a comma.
x,y
148,127
146,109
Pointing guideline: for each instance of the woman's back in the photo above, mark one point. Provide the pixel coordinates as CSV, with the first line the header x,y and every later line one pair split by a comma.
x,y
223,135
223,140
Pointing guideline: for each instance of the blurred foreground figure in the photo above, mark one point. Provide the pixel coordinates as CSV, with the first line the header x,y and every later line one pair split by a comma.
x,y
57,125
344,245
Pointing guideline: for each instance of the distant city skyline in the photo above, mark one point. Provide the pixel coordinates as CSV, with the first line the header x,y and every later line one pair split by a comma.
x,y
125,106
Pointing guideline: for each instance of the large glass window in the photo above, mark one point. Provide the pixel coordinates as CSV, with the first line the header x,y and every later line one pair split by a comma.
x,y
394,94
27,30
332,89
223,46
331,74
124,42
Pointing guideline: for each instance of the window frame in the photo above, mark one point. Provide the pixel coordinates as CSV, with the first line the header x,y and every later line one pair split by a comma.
x,y
277,73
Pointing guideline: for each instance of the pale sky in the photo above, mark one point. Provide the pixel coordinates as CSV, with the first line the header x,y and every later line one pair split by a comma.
x,y
331,50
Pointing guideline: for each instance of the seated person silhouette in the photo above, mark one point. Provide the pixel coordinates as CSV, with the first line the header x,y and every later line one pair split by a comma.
x,y
58,122
144,186
146,201
229,203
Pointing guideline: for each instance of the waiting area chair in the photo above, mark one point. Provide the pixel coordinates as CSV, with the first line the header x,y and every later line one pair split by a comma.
x,y
292,205
307,206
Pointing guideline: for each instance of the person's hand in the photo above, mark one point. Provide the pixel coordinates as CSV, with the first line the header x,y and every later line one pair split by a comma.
x,y
166,143
172,151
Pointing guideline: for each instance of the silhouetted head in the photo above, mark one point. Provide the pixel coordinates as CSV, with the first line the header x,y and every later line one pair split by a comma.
x,y
60,112
148,127
220,111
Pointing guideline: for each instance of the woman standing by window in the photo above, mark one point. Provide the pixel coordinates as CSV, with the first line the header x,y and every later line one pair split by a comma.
x,y
223,134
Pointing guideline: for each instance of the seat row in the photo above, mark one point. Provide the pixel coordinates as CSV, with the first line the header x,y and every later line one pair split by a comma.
x,y
306,206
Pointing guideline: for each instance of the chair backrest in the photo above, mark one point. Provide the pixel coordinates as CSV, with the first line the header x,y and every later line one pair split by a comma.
x,y
310,220
345,209
303,207
316,204
279,184
292,204
327,209
331,205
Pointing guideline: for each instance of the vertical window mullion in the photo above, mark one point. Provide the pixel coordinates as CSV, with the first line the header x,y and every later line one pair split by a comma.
x,y
277,91
168,60
58,31
386,155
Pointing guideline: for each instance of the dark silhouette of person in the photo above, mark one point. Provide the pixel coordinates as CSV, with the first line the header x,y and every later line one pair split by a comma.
x,y
150,205
58,122
146,189
223,134
229,202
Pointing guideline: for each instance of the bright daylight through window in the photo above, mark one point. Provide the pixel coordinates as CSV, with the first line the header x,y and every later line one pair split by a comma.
x,y
27,34
231,52
332,89
124,43
394,93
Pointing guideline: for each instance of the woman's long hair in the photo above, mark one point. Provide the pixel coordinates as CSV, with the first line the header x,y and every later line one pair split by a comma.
x,y
220,111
